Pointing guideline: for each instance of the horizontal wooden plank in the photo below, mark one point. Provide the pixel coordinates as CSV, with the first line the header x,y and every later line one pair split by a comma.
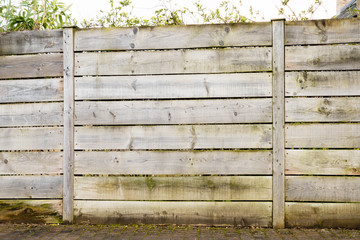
x,y
209,213
339,109
317,135
174,188
30,187
30,211
31,162
173,162
322,189
174,61
325,57
31,66
31,138
25,42
324,31
173,112
174,86
31,114
174,37
344,83
174,137
325,215
34,90
323,162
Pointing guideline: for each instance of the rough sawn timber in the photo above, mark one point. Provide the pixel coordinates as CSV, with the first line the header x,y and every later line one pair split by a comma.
x,y
174,86
174,61
31,90
30,187
174,162
31,114
39,138
31,162
339,109
325,57
210,213
330,83
326,215
173,112
31,66
323,162
324,31
322,189
174,137
174,188
317,135
25,42
174,37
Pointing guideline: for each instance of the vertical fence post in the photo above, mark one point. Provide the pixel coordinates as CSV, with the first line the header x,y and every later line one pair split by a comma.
x,y
68,161
278,66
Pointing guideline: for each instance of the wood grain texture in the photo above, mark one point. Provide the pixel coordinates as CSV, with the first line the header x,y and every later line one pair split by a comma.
x,y
174,188
41,138
210,213
26,42
325,215
30,211
173,112
31,114
174,86
322,188
174,137
317,135
174,162
31,66
339,109
278,106
344,83
35,90
69,110
326,57
325,31
30,187
173,37
174,61
323,162
31,162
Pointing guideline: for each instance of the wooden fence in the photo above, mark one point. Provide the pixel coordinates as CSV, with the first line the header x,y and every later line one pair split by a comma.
x,y
242,124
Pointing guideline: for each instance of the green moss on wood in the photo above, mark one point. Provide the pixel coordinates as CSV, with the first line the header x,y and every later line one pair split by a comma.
x,y
22,212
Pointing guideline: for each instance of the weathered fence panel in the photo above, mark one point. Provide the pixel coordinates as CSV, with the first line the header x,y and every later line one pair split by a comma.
x,y
231,124
31,133
322,123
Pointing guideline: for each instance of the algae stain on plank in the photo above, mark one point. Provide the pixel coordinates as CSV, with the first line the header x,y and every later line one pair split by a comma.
x,y
22,212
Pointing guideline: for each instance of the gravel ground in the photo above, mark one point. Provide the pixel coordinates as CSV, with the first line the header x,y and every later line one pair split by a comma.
x,y
88,232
